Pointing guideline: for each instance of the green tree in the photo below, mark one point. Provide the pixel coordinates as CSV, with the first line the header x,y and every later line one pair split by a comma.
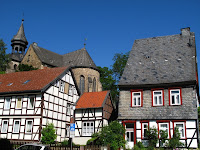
x,y
111,135
4,59
48,134
120,61
25,67
108,82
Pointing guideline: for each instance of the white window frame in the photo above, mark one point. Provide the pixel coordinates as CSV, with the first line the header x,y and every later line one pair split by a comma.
x,y
143,128
136,99
175,94
62,86
7,104
68,109
160,128
157,96
67,130
183,123
29,102
27,126
16,131
4,126
87,130
17,99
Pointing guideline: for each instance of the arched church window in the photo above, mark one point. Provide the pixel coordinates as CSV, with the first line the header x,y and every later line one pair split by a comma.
x,y
82,84
94,85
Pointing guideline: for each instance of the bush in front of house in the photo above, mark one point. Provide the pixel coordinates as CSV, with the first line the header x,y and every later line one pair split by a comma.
x,y
49,134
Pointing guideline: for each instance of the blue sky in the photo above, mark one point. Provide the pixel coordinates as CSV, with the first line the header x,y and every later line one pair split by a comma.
x,y
110,26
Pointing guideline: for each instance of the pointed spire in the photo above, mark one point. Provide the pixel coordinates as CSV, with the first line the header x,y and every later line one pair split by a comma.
x,y
19,41
20,34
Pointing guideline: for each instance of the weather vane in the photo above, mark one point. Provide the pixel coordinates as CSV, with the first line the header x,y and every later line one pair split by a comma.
x,y
85,42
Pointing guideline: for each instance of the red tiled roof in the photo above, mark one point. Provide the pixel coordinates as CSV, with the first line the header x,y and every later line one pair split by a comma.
x,y
38,79
92,99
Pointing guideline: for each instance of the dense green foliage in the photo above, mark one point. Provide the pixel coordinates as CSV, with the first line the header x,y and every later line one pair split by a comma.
x,y
25,67
139,146
152,136
110,77
48,134
120,61
163,136
4,59
111,135
174,141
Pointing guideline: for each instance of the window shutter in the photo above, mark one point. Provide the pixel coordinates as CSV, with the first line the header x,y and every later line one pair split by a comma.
x,y
66,88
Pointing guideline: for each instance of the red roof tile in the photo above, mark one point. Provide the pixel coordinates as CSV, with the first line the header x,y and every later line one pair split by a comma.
x,y
38,79
92,99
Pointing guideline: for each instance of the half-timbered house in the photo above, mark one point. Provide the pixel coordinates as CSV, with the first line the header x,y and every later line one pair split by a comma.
x,y
159,88
31,99
93,111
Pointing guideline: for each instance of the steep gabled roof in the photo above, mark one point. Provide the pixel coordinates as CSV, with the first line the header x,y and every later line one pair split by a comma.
x,y
78,58
48,57
27,81
92,100
161,60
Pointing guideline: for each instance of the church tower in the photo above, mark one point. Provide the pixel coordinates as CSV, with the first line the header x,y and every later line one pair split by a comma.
x,y
19,42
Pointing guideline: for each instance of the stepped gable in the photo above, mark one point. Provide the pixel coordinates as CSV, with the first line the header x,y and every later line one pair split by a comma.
x,y
79,58
160,60
48,57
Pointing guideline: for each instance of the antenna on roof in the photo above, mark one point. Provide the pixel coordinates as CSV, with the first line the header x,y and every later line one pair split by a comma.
x,y
85,42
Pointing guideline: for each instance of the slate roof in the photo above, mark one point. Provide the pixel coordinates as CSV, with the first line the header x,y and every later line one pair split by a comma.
x,y
39,80
92,100
20,36
165,59
16,56
78,58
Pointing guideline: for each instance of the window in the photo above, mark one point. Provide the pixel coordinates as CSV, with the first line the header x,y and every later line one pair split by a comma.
x,y
71,89
62,86
67,130
68,109
88,128
145,127
129,132
175,97
94,85
29,124
158,98
181,128
82,84
4,126
16,126
19,103
7,103
136,98
164,127
31,102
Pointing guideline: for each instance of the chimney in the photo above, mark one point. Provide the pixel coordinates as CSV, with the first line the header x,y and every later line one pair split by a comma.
x,y
35,44
185,31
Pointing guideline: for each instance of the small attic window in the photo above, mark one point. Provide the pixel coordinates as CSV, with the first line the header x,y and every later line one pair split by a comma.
x,y
26,81
9,84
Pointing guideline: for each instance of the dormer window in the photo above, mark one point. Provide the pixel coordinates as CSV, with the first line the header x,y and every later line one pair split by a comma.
x,y
9,84
26,81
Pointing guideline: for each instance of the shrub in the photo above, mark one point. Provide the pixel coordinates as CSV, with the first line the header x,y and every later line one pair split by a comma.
x,y
152,136
25,67
174,141
48,134
139,146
